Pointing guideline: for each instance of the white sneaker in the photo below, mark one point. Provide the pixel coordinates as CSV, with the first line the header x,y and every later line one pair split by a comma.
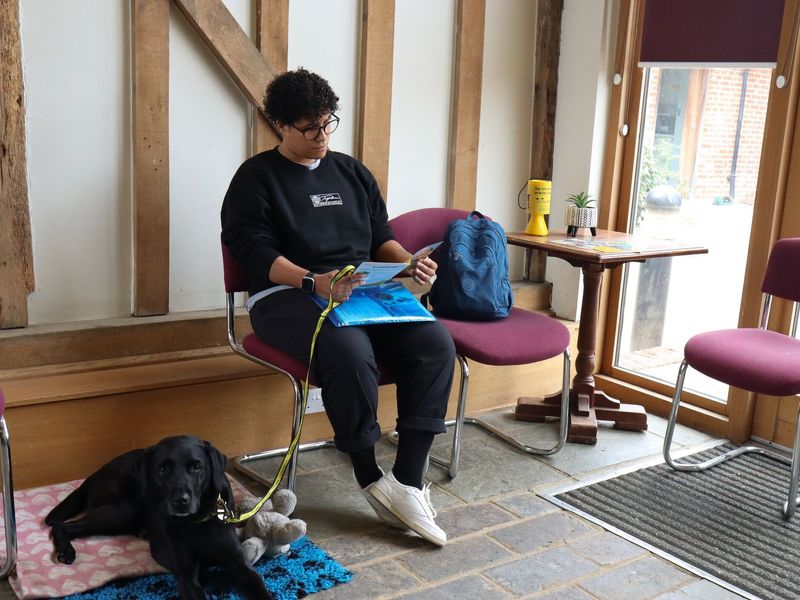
x,y
410,505
383,514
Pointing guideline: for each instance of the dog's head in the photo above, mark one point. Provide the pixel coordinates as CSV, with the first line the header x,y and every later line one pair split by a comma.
x,y
185,475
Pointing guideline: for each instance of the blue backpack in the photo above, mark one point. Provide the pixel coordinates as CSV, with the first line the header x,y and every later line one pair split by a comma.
x,y
472,278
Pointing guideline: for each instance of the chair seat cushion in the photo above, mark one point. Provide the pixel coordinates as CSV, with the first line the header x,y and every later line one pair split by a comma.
x,y
522,337
765,362
253,344
256,347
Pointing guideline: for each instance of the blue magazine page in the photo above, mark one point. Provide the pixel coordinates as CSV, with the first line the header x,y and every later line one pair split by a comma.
x,y
389,302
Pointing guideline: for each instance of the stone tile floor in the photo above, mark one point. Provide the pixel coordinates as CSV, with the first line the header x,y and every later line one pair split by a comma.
x,y
504,540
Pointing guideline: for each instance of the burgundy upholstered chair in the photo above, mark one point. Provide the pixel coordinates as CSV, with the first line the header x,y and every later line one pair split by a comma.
x,y
253,348
9,517
521,338
757,360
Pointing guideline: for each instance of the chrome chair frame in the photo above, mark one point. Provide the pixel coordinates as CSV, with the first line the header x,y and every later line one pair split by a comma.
x,y
9,515
792,501
461,420
240,462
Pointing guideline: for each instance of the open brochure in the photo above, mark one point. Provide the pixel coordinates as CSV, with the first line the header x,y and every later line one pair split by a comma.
x,y
379,272
389,302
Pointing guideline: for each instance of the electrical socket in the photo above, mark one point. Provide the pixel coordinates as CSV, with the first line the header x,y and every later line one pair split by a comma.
x,y
314,401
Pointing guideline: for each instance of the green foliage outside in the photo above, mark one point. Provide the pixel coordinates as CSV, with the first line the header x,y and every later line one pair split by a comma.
x,y
656,169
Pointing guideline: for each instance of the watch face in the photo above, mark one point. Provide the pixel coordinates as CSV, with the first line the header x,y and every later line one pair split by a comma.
x,y
308,283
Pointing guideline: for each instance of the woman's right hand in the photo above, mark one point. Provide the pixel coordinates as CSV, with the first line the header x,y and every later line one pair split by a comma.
x,y
341,289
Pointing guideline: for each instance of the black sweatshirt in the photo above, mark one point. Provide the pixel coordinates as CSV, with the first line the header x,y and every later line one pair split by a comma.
x,y
320,219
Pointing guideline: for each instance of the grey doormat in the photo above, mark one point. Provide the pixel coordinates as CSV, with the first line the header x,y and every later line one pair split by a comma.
x,y
724,524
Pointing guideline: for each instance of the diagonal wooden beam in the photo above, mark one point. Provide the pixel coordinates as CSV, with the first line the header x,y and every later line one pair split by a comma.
x,y
375,94
16,255
237,54
272,39
466,108
150,23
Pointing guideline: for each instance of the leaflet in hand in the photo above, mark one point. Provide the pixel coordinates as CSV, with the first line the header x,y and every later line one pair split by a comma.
x,y
376,305
379,272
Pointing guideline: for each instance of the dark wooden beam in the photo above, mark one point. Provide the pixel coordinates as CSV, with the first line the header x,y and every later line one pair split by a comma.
x,y
16,254
548,47
545,85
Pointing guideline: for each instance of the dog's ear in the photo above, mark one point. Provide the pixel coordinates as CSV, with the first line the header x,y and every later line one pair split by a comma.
x,y
141,470
218,480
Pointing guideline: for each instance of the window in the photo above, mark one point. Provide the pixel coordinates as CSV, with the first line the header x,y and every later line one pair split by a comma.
x,y
695,181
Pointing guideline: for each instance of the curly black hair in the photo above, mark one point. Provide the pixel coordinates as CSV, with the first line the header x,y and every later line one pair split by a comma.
x,y
299,94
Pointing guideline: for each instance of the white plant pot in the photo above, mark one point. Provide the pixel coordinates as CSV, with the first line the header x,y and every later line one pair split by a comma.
x,y
575,218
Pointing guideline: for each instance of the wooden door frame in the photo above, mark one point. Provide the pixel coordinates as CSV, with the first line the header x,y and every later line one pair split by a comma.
x,y
781,138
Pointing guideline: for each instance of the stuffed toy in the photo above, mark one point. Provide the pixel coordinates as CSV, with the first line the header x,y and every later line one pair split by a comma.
x,y
270,531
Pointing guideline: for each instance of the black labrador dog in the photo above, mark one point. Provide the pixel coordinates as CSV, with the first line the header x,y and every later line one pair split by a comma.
x,y
168,494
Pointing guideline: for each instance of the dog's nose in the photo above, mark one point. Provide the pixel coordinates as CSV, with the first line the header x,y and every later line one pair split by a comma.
x,y
181,501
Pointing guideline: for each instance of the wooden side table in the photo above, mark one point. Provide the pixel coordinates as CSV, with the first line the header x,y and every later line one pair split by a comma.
x,y
593,255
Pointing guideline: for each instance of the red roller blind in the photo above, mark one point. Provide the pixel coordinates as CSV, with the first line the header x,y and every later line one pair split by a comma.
x,y
711,32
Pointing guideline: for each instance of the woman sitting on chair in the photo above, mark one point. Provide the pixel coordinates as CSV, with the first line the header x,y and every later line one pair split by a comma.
x,y
293,216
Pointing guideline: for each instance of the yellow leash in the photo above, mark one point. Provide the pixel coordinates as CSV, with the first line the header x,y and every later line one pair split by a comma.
x,y
223,512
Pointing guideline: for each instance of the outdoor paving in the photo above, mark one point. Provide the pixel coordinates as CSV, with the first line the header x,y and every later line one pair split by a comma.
x,y
504,541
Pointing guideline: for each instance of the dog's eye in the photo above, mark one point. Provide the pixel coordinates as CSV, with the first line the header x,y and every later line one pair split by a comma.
x,y
196,466
163,469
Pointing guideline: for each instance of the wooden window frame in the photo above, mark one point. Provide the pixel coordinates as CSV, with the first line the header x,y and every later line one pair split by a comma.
x,y
733,419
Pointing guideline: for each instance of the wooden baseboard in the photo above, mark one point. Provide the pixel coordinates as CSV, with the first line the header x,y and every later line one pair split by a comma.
x,y
76,396
70,436
114,339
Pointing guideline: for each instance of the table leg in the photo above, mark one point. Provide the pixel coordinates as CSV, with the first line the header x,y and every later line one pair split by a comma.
x,y
587,405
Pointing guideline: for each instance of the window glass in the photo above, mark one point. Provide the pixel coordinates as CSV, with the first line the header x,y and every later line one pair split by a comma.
x,y
697,170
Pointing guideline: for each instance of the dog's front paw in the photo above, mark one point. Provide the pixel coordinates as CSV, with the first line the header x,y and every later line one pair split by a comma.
x,y
62,546
65,553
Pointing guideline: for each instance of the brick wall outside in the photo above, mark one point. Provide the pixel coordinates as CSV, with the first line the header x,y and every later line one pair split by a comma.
x,y
717,133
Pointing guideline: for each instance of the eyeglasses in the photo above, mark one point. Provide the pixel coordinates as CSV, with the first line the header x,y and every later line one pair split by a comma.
x,y
312,133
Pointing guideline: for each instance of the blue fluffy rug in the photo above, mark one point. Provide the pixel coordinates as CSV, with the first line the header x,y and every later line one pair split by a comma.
x,y
305,569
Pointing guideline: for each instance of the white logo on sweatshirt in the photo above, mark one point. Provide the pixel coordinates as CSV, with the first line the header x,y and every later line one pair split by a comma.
x,y
319,200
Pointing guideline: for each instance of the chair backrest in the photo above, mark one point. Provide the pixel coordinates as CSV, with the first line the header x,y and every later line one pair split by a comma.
x,y
236,279
418,228
782,277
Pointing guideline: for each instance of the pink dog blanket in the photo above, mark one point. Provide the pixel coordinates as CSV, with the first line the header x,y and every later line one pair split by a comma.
x,y
99,559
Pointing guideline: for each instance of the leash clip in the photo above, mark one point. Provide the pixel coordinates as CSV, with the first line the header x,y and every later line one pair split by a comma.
x,y
223,513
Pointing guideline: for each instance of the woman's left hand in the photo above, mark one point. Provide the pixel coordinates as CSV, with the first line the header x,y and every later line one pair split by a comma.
x,y
423,270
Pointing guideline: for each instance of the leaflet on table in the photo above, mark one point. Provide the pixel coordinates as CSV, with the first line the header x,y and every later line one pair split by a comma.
x,y
390,302
378,272
601,244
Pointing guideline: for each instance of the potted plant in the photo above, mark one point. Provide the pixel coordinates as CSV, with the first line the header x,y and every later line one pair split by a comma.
x,y
580,212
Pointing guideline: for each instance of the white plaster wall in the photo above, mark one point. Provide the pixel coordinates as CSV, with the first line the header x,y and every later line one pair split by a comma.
x,y
582,101
422,86
77,130
506,112
209,139
324,37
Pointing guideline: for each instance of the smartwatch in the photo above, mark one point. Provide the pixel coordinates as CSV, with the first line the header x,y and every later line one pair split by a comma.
x,y
308,283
